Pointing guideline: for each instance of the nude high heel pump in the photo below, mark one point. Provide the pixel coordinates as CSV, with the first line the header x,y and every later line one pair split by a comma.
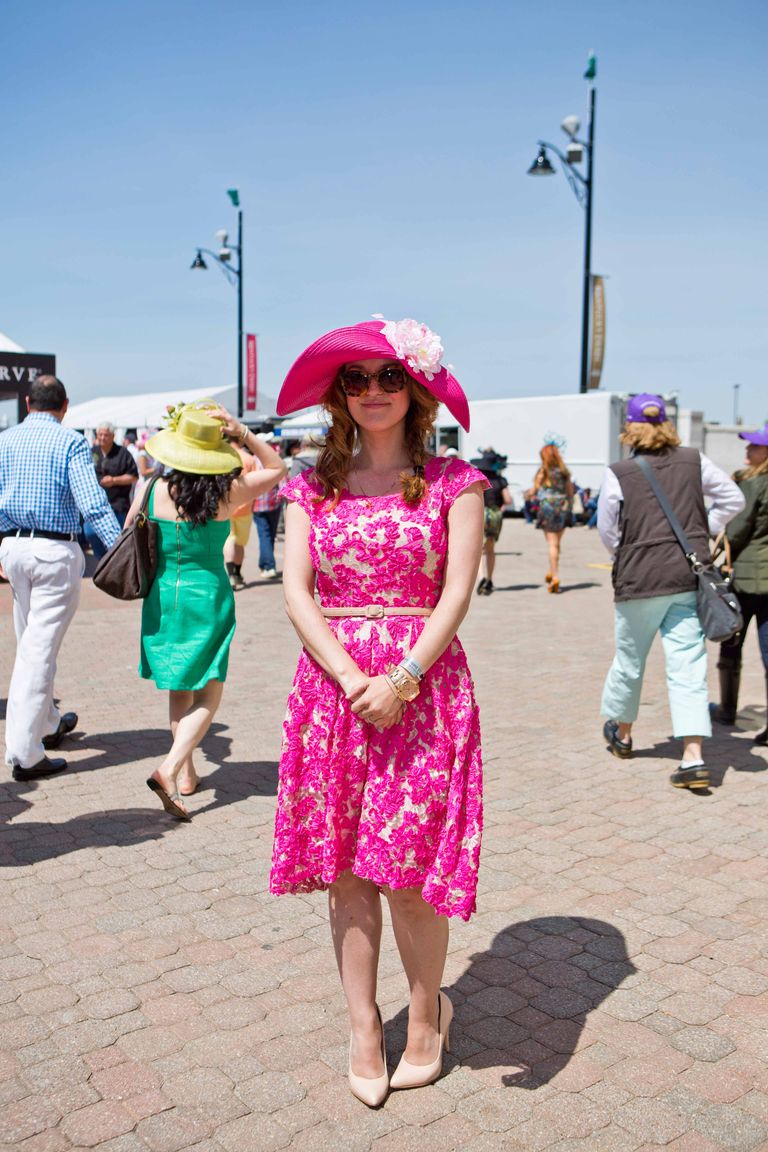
x,y
418,1075
370,1091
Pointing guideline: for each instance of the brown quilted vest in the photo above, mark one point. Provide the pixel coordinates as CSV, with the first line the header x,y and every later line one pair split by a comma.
x,y
649,561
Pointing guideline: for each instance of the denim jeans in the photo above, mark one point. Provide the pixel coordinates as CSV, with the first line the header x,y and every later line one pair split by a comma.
x,y
94,540
266,527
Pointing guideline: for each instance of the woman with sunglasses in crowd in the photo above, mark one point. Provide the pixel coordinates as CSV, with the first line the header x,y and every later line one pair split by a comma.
x,y
380,774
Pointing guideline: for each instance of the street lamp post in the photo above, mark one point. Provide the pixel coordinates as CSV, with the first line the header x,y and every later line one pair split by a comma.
x,y
234,275
582,188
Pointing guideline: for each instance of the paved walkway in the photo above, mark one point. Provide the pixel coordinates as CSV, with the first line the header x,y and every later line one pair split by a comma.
x,y
611,993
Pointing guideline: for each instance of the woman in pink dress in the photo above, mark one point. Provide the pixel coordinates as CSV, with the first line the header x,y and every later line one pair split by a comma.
x,y
380,775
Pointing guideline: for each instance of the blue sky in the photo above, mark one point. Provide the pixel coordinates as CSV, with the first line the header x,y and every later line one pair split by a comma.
x,y
380,151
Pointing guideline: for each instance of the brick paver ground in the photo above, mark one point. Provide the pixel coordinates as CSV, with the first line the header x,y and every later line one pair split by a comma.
x,y
611,993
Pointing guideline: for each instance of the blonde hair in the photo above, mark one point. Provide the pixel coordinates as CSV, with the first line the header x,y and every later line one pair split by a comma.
x,y
752,471
649,437
335,459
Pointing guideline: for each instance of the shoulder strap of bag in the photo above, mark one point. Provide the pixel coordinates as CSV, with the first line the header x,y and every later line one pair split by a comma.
x,y
666,508
142,511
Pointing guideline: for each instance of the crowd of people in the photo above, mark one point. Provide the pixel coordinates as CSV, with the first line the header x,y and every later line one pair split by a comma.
x,y
380,777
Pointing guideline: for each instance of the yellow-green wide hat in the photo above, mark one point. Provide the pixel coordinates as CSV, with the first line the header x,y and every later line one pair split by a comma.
x,y
194,442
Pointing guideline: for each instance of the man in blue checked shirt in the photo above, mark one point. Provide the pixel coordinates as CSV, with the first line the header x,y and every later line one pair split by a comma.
x,y
47,482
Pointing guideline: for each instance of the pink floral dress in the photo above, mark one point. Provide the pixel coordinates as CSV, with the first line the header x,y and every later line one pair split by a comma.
x,y
402,807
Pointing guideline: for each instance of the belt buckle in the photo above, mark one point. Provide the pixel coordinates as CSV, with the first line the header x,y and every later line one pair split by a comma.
x,y
374,611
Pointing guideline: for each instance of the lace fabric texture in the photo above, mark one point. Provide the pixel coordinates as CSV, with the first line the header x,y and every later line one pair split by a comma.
x,y
401,807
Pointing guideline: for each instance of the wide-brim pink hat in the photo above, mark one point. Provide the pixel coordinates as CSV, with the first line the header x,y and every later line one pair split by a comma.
x,y
413,344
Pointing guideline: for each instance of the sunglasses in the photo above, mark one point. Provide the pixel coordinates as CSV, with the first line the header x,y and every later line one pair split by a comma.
x,y
355,382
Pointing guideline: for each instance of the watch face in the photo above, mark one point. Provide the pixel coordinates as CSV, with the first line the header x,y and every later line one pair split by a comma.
x,y
410,690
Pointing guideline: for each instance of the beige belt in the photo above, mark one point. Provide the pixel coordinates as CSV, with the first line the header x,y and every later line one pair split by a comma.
x,y
376,611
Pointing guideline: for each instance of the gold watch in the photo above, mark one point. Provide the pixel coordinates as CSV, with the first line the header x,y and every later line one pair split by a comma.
x,y
406,686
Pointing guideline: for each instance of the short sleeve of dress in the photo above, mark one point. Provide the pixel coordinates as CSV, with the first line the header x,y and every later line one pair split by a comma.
x,y
301,490
456,476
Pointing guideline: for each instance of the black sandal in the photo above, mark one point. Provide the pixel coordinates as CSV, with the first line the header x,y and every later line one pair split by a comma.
x,y
168,800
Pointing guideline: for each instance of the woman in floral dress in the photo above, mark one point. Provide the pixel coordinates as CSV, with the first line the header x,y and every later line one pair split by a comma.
x,y
380,774
553,492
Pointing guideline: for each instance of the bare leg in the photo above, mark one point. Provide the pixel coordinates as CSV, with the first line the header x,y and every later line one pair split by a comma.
x,y
422,941
692,749
233,553
553,545
489,556
625,732
191,727
178,704
355,912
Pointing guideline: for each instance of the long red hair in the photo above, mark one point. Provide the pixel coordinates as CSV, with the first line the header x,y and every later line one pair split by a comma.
x,y
551,461
335,459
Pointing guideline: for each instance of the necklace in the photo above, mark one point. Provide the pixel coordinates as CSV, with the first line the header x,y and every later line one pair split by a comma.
x,y
369,499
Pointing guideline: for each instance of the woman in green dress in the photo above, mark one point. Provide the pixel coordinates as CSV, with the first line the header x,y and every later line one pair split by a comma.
x,y
188,617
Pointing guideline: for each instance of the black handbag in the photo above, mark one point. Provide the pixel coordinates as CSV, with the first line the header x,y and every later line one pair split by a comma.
x,y
716,602
127,570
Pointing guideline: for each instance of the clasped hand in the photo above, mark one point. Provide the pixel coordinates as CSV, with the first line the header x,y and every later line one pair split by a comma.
x,y
374,701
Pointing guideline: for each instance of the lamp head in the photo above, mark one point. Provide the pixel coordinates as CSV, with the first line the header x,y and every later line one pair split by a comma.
x,y
222,236
198,262
541,165
571,125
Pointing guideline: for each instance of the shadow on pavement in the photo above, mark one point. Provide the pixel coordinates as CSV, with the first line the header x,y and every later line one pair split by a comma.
x,y
522,1005
515,587
30,842
238,780
113,748
579,587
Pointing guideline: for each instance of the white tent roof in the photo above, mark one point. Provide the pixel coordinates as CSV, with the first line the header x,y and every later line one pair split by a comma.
x,y
7,345
310,420
148,409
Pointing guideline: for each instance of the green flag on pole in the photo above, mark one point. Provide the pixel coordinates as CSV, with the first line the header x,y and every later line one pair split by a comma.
x,y
234,196
591,71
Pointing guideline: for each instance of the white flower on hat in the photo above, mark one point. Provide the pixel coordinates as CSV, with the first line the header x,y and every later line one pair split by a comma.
x,y
416,344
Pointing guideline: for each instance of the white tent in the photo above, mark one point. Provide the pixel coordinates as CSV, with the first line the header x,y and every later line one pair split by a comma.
x,y
304,423
7,345
147,410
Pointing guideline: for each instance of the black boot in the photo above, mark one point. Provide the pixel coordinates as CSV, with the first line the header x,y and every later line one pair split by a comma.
x,y
730,675
762,737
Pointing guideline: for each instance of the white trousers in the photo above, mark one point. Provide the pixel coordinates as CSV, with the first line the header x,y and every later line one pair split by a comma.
x,y
685,655
45,577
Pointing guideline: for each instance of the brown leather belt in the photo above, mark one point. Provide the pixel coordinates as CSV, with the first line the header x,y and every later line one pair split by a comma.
x,y
376,611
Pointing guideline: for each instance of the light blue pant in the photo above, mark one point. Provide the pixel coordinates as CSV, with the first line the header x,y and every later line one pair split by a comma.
x,y
685,655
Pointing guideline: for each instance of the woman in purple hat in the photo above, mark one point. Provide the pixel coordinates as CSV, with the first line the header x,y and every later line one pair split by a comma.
x,y
380,776
748,539
654,587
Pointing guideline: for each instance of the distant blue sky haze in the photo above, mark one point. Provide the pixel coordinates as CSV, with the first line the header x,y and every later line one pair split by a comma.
x,y
380,151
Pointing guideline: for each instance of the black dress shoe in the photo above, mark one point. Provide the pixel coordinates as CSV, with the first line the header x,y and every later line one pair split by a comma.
x,y
67,724
44,767
693,778
481,586
620,748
